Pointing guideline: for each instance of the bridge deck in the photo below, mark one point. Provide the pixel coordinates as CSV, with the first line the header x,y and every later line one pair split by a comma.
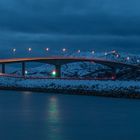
x,y
65,60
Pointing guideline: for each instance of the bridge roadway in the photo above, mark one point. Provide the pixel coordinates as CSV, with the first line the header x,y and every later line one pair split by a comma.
x,y
59,61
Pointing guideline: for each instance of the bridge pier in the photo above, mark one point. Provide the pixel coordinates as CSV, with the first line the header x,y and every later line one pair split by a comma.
x,y
58,70
23,68
113,73
3,68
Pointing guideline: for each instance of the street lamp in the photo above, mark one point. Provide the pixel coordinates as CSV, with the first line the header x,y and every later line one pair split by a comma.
x,y
14,50
26,72
47,49
29,49
105,53
117,55
79,51
128,58
64,49
93,52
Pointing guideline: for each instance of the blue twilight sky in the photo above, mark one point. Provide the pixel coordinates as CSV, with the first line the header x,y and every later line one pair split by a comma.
x,y
84,24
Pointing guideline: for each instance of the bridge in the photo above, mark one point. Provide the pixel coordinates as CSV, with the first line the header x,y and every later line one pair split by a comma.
x,y
59,61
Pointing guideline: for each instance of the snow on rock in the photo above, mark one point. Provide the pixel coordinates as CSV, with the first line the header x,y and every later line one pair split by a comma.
x,y
89,85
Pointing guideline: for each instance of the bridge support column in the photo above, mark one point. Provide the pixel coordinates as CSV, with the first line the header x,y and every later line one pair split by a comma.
x,y
113,73
3,68
23,68
58,70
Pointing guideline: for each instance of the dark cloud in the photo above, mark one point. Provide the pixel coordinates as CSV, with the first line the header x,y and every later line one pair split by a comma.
x,y
82,24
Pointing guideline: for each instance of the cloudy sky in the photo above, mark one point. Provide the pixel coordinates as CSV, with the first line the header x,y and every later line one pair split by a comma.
x,y
84,24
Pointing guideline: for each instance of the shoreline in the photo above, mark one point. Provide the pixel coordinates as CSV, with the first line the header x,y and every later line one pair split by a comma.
x,y
113,94
108,88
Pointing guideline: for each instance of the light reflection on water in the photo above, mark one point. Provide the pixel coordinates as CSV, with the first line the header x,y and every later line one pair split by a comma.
x,y
53,110
25,106
51,115
54,121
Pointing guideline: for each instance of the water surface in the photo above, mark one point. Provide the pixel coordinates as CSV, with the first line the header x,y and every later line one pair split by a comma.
x,y
40,116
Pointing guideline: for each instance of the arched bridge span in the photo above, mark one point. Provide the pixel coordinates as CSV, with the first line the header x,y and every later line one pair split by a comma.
x,y
59,61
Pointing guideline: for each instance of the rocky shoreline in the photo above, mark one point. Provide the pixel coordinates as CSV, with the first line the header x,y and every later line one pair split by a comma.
x,y
117,94
118,89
